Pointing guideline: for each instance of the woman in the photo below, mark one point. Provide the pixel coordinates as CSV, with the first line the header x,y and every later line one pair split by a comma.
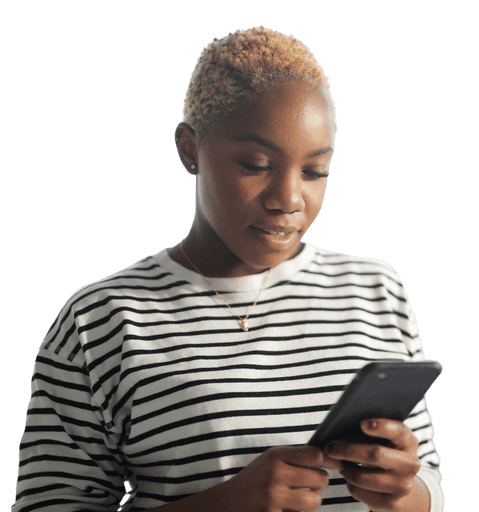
x,y
198,374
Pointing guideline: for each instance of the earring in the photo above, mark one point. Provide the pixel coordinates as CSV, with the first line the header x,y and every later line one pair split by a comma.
x,y
193,166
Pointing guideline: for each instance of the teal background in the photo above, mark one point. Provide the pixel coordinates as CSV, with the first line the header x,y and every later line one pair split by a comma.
x,y
91,93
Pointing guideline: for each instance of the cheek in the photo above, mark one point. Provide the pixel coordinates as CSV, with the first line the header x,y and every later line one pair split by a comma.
x,y
226,201
314,201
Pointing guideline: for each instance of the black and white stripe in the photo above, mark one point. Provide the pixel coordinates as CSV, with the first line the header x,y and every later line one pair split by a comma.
x,y
146,377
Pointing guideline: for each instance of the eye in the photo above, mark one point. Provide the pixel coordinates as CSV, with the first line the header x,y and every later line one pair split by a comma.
x,y
314,175
252,167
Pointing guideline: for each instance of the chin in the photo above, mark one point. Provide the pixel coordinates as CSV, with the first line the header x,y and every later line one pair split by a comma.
x,y
271,259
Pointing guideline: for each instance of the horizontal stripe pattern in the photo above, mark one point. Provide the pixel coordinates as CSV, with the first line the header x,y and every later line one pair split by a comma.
x,y
146,380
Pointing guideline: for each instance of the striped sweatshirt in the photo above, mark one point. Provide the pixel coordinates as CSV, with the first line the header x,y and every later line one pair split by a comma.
x,y
146,390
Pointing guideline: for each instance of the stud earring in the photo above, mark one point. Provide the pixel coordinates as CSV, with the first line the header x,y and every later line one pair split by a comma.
x,y
193,166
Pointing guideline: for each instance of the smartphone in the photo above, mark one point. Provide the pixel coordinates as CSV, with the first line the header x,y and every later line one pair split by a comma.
x,y
386,388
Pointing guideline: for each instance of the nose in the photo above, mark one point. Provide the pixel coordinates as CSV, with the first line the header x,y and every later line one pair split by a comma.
x,y
284,193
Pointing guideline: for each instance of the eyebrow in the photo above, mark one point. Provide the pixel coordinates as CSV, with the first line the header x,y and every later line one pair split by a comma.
x,y
274,147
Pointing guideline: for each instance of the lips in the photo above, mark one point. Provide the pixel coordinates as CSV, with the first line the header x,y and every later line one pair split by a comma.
x,y
276,238
277,230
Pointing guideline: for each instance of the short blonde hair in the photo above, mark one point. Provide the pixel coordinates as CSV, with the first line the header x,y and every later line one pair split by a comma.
x,y
238,67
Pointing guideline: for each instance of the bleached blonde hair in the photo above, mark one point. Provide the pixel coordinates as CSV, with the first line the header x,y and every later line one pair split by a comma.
x,y
240,66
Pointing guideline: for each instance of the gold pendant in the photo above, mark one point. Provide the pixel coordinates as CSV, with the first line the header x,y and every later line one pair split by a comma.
x,y
244,324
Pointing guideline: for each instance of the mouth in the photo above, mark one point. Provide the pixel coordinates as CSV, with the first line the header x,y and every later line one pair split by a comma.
x,y
276,237
276,229
276,232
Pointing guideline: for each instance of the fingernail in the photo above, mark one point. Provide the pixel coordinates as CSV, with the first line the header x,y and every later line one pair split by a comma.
x,y
371,424
331,448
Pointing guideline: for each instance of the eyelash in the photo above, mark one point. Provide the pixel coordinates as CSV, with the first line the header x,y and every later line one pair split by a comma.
x,y
312,175
251,167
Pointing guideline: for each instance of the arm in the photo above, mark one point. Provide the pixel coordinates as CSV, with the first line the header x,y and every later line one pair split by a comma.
x,y
68,458
419,421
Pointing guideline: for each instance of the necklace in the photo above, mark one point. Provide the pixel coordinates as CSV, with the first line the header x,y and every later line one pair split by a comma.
x,y
243,320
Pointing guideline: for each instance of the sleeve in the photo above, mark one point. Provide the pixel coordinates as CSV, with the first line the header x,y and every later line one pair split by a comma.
x,y
432,479
420,423
420,420
68,459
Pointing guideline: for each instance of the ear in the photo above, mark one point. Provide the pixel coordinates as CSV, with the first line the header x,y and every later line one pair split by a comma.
x,y
187,145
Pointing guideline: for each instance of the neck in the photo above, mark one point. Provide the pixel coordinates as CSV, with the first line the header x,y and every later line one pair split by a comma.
x,y
211,260
210,255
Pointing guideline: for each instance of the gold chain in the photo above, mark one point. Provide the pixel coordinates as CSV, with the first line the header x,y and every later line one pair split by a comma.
x,y
243,320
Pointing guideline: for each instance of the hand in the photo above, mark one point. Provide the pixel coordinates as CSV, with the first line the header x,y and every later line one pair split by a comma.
x,y
385,478
282,479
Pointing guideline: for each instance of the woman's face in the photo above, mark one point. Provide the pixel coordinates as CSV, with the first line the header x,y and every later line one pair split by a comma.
x,y
262,176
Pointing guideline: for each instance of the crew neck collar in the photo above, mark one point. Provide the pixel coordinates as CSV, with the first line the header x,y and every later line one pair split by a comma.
x,y
283,272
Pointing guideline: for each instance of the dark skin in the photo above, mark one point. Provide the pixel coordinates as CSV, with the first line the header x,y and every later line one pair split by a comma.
x,y
386,479
274,180
261,177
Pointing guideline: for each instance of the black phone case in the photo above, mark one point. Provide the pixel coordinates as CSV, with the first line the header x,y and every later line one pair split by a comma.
x,y
381,389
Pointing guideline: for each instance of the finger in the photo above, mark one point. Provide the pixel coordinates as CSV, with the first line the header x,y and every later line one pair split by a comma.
x,y
304,456
306,478
374,500
299,456
395,431
303,500
374,455
378,481
333,464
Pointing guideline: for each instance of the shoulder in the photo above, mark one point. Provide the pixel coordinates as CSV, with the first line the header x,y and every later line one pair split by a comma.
x,y
338,263
85,317
365,283
336,270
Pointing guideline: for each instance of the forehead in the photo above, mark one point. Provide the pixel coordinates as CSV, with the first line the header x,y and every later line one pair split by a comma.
x,y
289,115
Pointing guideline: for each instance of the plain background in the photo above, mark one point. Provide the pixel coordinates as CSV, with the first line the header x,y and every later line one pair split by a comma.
x,y
91,93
